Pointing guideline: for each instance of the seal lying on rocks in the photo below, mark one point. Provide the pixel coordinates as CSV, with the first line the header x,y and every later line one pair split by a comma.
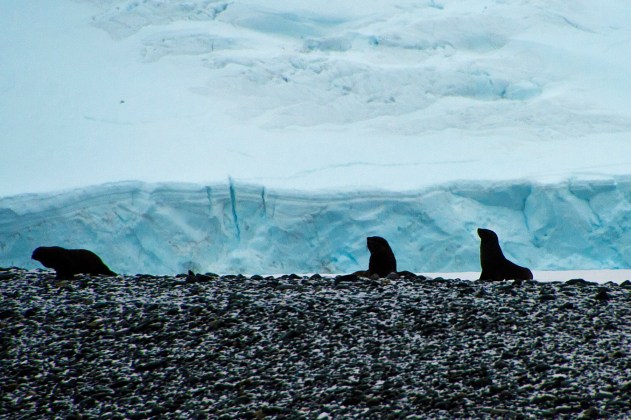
x,y
494,265
68,262
382,261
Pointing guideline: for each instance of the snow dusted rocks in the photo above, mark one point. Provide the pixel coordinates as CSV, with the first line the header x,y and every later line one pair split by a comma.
x,y
204,346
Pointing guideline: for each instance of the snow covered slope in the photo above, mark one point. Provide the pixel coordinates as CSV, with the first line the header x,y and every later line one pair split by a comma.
x,y
231,228
312,94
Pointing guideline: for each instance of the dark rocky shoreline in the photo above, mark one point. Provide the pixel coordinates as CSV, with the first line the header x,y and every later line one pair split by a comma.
x,y
311,347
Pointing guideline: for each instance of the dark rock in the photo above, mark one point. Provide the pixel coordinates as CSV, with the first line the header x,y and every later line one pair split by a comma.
x,y
30,312
579,282
8,313
603,395
481,293
273,411
345,278
544,398
602,295
618,354
408,275
289,287
203,278
547,297
540,367
589,413
151,324
150,366
7,276
293,333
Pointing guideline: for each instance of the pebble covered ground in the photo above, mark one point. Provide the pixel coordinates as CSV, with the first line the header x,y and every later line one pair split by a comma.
x,y
206,346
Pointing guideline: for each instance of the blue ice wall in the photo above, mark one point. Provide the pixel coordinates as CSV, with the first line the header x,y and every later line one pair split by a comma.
x,y
239,228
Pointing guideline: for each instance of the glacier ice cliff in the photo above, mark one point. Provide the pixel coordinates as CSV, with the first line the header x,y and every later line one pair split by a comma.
x,y
241,228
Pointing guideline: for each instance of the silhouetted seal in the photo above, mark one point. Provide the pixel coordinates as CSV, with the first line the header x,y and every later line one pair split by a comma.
x,y
494,265
382,261
68,262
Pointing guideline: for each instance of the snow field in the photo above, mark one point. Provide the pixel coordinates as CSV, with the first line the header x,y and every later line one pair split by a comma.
x,y
390,95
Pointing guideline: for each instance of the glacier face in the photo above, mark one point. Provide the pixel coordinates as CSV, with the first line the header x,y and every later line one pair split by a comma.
x,y
241,228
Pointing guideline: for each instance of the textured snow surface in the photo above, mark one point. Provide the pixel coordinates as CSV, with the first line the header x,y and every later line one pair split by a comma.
x,y
200,346
312,94
237,228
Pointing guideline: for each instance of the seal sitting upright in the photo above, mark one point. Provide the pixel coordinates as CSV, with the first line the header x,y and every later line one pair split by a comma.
x,y
382,261
68,262
494,265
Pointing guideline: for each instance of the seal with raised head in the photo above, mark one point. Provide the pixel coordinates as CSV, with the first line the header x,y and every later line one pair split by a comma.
x,y
494,265
68,262
382,261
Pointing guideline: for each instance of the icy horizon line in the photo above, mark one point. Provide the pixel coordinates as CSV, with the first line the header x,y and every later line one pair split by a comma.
x,y
319,191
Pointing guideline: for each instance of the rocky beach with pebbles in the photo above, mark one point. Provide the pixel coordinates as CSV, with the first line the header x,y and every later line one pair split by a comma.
x,y
313,347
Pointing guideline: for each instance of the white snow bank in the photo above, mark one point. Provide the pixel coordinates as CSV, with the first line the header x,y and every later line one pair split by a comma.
x,y
230,228
312,94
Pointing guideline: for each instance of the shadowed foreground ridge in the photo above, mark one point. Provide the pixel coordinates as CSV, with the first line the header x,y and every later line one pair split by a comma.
x,y
203,346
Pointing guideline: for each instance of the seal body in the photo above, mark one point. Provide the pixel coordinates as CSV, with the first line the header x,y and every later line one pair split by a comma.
x,y
68,262
494,265
382,261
